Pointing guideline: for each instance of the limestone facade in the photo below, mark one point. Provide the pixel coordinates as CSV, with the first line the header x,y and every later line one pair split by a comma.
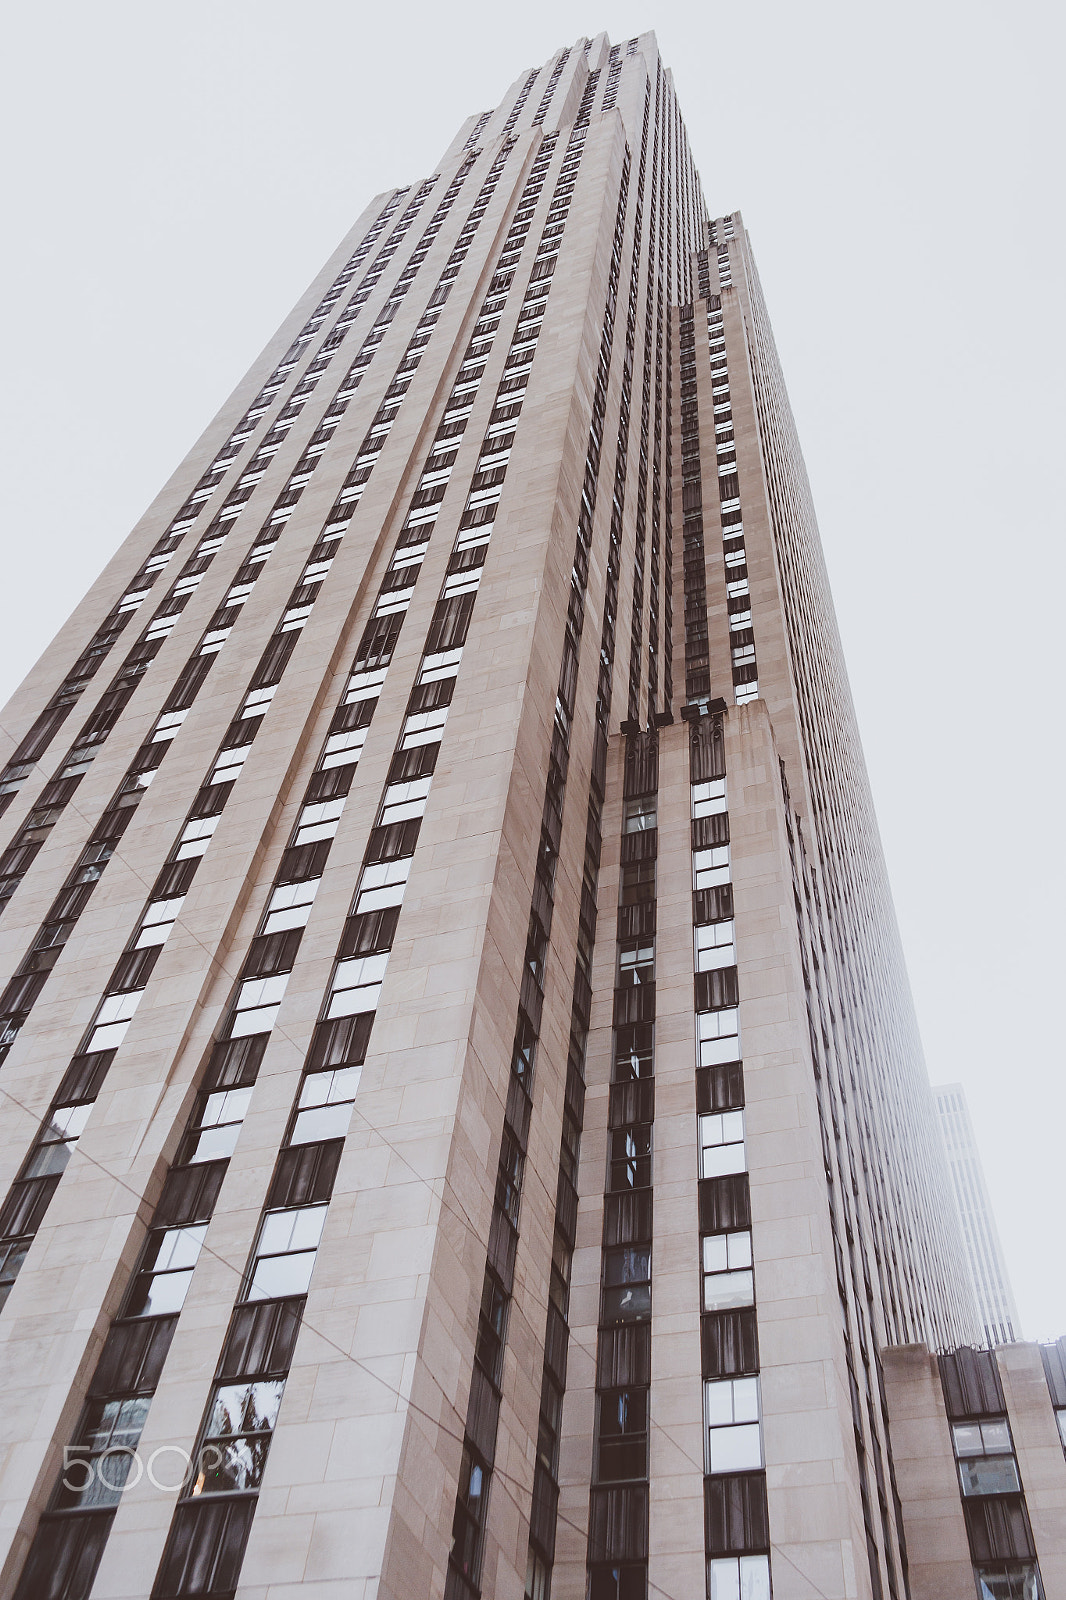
x,y
462,1098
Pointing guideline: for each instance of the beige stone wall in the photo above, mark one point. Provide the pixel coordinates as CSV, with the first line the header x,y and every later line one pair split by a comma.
x,y
937,1549
1041,1462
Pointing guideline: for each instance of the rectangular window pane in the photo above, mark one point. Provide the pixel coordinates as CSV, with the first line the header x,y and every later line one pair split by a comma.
x,y
989,1475
321,1122
739,1578
276,1276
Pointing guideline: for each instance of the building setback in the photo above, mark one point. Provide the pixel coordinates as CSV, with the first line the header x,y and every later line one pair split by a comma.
x,y
465,1131
979,1438
984,1252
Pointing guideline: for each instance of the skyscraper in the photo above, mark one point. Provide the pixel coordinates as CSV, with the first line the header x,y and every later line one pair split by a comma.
x,y
984,1253
465,1127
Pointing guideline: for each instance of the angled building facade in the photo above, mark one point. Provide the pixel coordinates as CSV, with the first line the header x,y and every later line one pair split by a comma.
x,y
465,1131
989,1278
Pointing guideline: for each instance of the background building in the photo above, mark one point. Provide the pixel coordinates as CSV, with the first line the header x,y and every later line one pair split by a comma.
x,y
979,1439
461,1090
984,1253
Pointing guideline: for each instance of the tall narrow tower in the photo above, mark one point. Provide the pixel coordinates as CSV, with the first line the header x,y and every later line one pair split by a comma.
x,y
464,1128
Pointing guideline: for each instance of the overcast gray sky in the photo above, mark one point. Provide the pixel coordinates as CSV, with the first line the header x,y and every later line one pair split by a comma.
x,y
176,175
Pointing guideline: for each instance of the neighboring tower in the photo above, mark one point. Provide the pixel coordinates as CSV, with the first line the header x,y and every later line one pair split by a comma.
x,y
984,1252
462,1097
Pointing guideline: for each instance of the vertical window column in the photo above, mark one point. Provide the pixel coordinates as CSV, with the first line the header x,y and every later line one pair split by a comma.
x,y
619,1502
738,592
1000,1533
469,1520
737,1527
697,644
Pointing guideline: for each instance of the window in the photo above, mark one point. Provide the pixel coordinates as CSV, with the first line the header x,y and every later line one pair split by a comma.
x,y
538,1577
97,1465
636,963
229,763
290,905
985,1456
409,556
710,867
444,664
731,1410
357,985
559,1279
401,801
166,1267
314,572
708,799
469,1514
982,1438
639,815
167,725
285,1254
738,1578
237,1436
325,1105
319,821
623,1442
717,1036
382,884
728,1280
424,727
113,1020
618,1583
438,475
56,1141
157,922
637,882
471,539
364,686
213,1136
627,1284
714,946
1060,1418
195,838
634,1055
630,1157
343,749
721,1135
257,1006
441,461
12,1254
1019,1581
489,1347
